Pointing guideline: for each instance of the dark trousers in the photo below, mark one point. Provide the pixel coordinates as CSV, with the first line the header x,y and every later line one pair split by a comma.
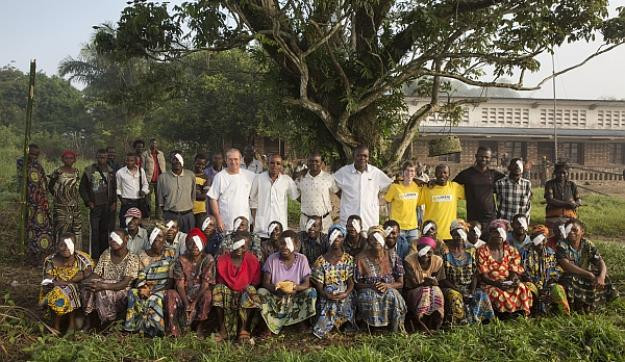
x,y
155,211
185,222
100,219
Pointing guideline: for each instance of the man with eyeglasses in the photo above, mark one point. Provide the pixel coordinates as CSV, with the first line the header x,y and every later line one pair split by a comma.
x,y
269,196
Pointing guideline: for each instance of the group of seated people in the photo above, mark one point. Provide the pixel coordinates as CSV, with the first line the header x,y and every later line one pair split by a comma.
x,y
347,279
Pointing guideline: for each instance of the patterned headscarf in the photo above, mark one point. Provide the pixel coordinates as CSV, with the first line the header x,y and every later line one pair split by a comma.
x,y
338,227
499,223
459,224
375,229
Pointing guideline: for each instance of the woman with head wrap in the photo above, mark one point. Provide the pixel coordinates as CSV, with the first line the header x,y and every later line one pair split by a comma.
x,y
238,275
430,229
500,268
379,276
286,297
106,291
585,275
62,272
464,302
146,299
189,304
63,185
333,277
424,297
542,273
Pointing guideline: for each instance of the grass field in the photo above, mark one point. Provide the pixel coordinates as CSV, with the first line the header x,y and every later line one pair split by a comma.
x,y
593,337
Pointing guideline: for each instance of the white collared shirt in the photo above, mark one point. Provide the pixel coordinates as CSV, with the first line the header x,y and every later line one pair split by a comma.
x,y
316,192
255,166
233,194
270,199
360,193
129,185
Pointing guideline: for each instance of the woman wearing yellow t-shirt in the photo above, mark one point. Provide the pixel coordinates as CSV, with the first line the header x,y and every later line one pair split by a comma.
x,y
402,200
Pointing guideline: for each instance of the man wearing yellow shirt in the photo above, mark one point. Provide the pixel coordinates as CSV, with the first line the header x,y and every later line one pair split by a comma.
x,y
201,186
441,200
402,199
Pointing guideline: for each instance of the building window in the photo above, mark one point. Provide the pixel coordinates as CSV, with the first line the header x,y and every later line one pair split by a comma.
x,y
451,158
545,149
571,152
564,117
616,153
516,149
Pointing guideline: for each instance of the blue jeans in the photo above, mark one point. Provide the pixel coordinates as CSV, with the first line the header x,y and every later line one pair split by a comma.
x,y
410,234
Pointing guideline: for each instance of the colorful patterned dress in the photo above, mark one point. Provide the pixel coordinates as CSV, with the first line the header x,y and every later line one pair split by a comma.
x,y
423,300
146,314
63,300
541,268
192,276
66,211
504,301
580,291
279,311
235,290
39,235
334,278
461,271
374,308
110,304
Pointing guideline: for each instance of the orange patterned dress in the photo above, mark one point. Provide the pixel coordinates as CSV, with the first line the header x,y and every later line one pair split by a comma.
x,y
504,301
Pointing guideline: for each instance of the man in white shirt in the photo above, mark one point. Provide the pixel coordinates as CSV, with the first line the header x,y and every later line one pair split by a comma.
x,y
269,196
250,162
229,195
316,188
360,185
132,186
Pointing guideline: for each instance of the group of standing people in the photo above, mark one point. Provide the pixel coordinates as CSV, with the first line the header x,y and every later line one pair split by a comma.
x,y
224,248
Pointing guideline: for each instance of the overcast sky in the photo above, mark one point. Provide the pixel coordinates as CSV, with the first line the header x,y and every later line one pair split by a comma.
x,y
52,30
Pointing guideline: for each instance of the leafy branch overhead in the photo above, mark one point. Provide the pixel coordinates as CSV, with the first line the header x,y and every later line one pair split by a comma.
x,y
345,62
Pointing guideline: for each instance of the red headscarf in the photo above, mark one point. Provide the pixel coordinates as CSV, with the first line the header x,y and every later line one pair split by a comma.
x,y
197,232
426,240
68,153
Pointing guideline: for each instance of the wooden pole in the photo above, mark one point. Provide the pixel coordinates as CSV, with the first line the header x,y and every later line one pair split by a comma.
x,y
24,184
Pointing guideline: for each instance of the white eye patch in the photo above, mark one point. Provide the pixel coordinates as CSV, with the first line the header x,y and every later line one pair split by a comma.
x,y
310,224
462,234
179,158
153,235
502,233
272,227
238,244
237,223
538,239
477,232
356,225
70,245
170,224
423,251
289,244
519,163
128,220
335,234
206,223
523,222
427,228
388,230
116,238
198,242
565,231
379,238
479,243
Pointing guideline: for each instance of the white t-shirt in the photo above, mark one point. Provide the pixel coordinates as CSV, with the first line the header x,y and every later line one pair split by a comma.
x,y
271,200
359,193
233,194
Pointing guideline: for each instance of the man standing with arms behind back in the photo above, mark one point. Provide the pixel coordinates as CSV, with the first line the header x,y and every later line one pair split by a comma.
x,y
360,185
154,166
316,188
98,192
230,192
479,187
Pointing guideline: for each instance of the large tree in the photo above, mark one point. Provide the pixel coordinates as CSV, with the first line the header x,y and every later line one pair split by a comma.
x,y
345,62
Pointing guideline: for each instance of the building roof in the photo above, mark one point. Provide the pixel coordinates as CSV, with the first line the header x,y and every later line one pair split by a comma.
x,y
524,132
536,101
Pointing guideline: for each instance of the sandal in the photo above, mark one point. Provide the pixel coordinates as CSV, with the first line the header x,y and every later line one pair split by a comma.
x,y
244,336
218,338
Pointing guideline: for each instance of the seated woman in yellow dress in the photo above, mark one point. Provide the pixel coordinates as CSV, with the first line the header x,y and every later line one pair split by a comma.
x,y
62,272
